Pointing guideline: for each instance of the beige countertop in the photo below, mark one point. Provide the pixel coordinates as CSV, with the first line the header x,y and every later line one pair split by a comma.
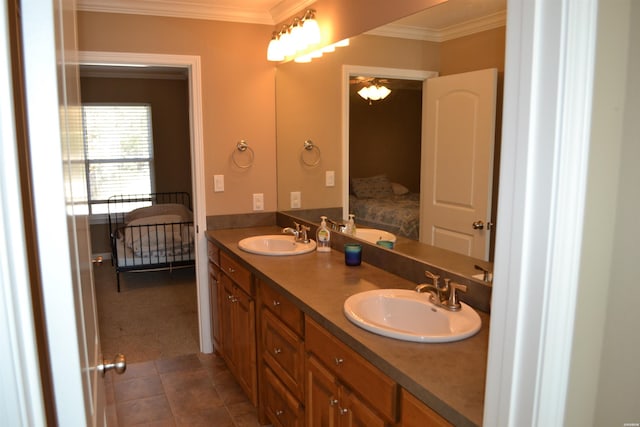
x,y
448,377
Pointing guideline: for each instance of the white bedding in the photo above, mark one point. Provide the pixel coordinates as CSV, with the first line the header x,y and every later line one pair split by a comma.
x,y
155,235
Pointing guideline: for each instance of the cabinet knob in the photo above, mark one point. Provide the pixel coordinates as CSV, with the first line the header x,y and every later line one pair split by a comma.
x,y
339,361
277,350
343,411
276,303
231,270
279,412
333,401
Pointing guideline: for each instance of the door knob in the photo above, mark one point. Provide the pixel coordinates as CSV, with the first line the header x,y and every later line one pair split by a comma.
x,y
97,260
119,364
478,225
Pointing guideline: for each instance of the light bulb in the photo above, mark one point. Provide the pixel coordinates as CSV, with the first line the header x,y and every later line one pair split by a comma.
x,y
383,91
311,31
274,53
364,92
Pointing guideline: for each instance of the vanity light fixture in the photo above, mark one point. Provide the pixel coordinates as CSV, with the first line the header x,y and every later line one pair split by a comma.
x,y
294,38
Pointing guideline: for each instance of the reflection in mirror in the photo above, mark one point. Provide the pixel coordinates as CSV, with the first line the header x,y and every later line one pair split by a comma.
x,y
309,99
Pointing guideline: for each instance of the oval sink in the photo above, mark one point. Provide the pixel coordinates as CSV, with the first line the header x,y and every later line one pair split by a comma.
x,y
275,245
373,235
409,316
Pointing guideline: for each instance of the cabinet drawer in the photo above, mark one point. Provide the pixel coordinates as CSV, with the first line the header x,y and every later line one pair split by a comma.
x,y
213,252
240,275
414,413
281,407
351,368
283,308
283,351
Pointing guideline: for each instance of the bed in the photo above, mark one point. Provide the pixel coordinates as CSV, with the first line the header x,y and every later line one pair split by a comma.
x,y
379,203
151,232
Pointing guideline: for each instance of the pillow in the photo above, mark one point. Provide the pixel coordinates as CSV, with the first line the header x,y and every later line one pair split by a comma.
x,y
374,187
161,209
399,189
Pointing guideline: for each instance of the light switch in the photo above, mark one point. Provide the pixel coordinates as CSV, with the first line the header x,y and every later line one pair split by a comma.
x,y
218,183
295,199
258,201
330,178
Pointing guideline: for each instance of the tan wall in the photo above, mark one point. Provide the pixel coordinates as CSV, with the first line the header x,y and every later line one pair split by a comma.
x,y
237,92
169,101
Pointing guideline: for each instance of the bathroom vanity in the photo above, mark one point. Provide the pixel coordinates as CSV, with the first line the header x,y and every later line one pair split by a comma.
x,y
278,322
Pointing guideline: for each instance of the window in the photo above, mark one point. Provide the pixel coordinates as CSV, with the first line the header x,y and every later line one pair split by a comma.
x,y
118,152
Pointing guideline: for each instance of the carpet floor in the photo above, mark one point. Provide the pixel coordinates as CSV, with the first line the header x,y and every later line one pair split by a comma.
x,y
154,316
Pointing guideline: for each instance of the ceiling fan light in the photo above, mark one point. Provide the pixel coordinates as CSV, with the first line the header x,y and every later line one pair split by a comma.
x,y
383,91
364,92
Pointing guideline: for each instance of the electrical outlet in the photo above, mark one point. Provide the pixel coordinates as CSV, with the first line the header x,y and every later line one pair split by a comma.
x,y
218,183
258,201
296,199
330,178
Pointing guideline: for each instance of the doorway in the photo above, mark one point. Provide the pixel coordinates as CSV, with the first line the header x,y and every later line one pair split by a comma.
x,y
191,66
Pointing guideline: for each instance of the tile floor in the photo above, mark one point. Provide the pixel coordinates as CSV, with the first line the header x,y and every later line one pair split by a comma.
x,y
192,390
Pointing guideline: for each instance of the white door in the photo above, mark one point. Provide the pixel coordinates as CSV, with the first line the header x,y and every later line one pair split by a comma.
x,y
58,187
457,161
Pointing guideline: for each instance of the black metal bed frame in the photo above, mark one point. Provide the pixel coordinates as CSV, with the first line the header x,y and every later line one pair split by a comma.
x,y
118,208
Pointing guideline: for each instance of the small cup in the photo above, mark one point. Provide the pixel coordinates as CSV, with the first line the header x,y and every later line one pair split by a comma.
x,y
352,254
385,244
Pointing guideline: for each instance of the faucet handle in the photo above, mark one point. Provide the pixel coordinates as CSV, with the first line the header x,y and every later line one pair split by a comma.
x,y
434,277
453,304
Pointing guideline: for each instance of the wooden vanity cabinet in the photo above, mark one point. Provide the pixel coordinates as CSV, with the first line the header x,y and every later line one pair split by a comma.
x,y
237,327
213,253
343,388
281,348
414,413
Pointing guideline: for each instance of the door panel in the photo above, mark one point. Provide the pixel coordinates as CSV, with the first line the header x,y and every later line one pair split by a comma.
x,y
457,161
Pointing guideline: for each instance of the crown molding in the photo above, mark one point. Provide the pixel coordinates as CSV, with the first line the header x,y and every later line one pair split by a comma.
x,y
182,9
288,8
485,23
197,10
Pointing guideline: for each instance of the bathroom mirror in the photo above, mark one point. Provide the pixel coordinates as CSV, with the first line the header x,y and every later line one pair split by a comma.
x,y
309,103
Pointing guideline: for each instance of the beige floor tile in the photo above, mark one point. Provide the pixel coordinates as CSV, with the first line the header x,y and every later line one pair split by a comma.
x,y
151,409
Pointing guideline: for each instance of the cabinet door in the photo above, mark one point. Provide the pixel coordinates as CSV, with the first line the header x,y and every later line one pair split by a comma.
x,y
355,413
244,341
226,304
321,397
214,300
414,413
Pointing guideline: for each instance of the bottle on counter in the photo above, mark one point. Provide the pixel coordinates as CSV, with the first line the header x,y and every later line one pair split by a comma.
x,y
350,229
323,236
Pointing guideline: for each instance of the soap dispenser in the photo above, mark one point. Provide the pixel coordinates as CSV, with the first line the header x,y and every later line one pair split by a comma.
x,y
351,225
323,236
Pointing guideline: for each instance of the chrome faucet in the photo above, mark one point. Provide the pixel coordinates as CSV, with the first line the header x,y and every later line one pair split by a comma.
x,y
300,232
443,296
336,226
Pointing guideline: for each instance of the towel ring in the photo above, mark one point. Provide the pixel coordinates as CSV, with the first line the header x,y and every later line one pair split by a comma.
x,y
311,154
241,147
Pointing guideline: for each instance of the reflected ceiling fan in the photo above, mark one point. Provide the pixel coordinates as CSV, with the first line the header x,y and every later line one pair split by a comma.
x,y
373,88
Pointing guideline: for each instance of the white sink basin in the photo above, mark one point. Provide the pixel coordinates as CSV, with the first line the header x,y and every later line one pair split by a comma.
x,y
373,235
276,245
409,316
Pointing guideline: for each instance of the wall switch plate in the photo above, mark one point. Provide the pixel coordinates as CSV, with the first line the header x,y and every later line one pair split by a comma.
x,y
330,178
218,183
295,199
258,201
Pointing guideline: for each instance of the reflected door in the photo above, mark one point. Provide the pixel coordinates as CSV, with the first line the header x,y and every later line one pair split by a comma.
x,y
457,158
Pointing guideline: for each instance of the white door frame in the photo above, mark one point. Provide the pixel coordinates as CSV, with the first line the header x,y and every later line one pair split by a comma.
x,y
360,70
549,65
192,64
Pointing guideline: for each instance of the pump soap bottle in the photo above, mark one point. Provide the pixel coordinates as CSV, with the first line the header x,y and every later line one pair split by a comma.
x,y
351,225
323,236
